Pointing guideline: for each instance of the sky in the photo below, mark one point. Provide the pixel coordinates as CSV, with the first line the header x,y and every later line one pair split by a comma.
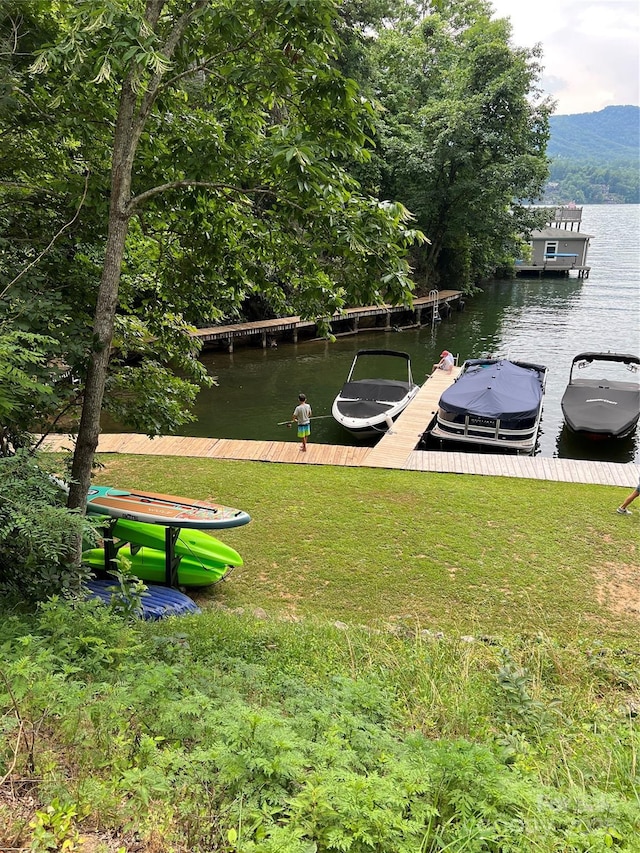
x,y
591,49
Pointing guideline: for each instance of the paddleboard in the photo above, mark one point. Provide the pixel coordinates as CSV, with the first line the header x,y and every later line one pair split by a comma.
x,y
150,565
168,510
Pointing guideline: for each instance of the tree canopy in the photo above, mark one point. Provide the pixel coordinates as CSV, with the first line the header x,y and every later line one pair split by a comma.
x,y
167,162
463,135
188,153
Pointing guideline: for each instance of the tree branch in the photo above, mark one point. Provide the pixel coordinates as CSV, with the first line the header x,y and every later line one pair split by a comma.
x,y
204,65
139,199
73,402
168,49
52,241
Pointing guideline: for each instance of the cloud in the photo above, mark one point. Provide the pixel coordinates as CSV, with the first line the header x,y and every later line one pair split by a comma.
x,y
590,49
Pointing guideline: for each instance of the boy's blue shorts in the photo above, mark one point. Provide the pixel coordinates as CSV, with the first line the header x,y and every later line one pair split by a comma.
x,y
303,430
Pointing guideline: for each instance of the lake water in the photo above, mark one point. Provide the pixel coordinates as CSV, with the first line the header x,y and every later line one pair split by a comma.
x,y
548,321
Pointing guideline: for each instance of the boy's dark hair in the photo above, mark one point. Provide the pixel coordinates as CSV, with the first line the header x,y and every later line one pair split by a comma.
x,y
302,397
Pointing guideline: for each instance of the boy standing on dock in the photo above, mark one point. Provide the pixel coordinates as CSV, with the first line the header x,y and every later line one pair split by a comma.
x,y
302,414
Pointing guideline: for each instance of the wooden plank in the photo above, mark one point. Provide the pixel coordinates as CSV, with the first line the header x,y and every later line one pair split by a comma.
x,y
209,449
135,444
400,453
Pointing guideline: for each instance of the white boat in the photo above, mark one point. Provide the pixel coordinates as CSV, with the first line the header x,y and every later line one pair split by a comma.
x,y
368,406
603,403
494,403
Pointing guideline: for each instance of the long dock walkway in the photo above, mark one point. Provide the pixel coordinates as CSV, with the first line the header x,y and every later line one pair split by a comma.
x,y
219,448
396,446
292,325
398,453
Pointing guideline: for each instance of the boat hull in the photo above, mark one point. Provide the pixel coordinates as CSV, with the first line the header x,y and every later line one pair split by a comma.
x,y
367,407
496,437
366,418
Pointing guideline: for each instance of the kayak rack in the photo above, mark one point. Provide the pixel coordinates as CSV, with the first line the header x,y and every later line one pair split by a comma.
x,y
172,560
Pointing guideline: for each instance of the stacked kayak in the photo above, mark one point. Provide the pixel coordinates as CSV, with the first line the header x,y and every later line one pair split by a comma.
x,y
200,558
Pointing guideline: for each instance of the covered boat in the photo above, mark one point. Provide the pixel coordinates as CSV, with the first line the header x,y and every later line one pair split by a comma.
x,y
368,406
604,402
494,403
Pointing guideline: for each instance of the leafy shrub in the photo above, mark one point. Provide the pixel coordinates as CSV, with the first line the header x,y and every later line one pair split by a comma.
x,y
37,532
27,395
247,744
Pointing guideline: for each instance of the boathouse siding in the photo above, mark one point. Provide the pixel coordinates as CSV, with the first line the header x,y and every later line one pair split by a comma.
x,y
558,249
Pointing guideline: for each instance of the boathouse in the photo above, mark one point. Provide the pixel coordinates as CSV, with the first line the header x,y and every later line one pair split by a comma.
x,y
559,248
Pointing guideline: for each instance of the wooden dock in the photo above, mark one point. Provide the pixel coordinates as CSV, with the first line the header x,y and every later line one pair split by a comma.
x,y
396,446
396,450
544,270
349,320
219,448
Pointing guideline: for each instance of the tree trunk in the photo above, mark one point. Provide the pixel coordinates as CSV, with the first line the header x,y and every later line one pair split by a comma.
x,y
132,114
124,146
89,429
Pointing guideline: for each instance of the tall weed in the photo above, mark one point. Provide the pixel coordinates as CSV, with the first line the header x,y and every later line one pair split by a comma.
x,y
219,733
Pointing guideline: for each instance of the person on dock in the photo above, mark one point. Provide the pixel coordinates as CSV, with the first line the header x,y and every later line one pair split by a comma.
x,y
622,509
446,362
302,415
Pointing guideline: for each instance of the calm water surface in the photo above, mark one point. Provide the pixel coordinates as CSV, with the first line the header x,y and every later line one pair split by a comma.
x,y
548,321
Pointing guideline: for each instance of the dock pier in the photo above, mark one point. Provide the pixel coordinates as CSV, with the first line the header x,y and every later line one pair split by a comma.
x,y
397,449
346,322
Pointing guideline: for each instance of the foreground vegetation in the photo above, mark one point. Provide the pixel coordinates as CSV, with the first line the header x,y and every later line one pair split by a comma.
x,y
228,732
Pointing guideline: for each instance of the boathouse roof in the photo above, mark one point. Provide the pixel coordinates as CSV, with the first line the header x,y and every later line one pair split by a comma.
x,y
559,234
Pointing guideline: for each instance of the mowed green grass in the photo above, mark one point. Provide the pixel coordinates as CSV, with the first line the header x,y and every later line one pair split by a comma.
x,y
466,555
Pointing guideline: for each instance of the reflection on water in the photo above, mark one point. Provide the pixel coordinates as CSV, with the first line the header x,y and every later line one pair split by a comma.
x,y
547,321
571,446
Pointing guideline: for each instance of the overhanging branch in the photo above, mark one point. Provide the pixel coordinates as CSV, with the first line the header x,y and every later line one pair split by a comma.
x,y
52,241
145,196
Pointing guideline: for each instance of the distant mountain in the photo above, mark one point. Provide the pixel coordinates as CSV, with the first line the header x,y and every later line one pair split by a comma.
x,y
595,157
611,134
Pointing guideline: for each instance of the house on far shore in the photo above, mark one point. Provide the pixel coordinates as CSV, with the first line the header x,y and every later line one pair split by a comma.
x,y
558,249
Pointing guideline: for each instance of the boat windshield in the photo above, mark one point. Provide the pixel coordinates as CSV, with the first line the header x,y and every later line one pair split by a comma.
x,y
585,371
377,366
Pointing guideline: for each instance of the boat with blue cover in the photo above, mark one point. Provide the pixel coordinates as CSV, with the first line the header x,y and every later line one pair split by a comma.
x,y
494,404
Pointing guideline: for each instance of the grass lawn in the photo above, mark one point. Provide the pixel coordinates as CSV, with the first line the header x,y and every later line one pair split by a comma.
x,y
459,554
